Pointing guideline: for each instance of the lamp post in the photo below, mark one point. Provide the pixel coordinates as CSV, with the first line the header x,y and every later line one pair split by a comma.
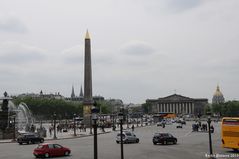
x,y
54,126
91,124
137,119
113,122
14,128
141,119
209,134
74,124
121,117
127,116
94,113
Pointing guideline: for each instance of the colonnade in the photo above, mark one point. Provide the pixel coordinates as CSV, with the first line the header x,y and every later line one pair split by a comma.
x,y
177,108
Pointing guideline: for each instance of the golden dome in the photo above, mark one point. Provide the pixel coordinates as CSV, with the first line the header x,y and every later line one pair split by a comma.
x,y
218,92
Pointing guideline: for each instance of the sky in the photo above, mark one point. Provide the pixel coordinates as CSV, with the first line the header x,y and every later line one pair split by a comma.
x,y
140,49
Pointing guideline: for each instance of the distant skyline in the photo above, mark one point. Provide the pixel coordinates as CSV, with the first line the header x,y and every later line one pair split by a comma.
x,y
140,49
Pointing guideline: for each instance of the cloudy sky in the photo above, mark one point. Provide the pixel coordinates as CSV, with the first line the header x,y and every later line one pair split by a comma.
x,y
141,49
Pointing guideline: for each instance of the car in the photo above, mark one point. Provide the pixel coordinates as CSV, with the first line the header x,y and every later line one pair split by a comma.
x,y
128,137
50,150
164,138
179,125
29,138
159,124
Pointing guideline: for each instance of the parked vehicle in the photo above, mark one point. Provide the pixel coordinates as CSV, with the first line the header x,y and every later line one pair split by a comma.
x,y
128,137
159,123
29,138
49,150
164,138
179,125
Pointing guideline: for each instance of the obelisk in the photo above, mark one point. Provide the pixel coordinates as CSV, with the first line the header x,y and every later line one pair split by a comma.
x,y
88,100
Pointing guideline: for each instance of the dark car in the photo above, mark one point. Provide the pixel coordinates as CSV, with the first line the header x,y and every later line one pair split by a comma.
x,y
29,138
49,150
164,138
179,125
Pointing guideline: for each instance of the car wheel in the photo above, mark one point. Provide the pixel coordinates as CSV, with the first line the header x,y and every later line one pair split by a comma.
x,y
126,141
32,142
47,155
137,141
117,142
67,153
20,143
155,143
41,141
235,150
175,142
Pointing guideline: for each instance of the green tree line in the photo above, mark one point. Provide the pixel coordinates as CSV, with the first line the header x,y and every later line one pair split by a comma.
x,y
229,109
44,108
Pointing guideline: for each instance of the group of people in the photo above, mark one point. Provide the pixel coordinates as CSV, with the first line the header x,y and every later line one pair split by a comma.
x,y
198,126
65,127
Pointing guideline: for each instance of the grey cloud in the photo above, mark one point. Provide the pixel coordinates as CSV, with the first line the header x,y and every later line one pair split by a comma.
x,y
73,55
15,53
137,48
12,25
169,6
179,5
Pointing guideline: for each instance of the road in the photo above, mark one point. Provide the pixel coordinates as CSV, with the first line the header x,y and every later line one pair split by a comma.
x,y
191,145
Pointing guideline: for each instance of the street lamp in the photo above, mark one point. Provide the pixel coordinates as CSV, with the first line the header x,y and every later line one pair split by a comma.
x,y
74,124
121,117
127,116
14,128
141,119
113,122
54,126
94,114
91,124
209,134
137,119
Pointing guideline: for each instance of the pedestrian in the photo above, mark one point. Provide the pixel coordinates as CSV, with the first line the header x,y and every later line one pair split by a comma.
x,y
50,130
132,127
84,127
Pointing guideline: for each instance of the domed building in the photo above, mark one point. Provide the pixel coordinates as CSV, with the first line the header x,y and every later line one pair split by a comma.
x,y
218,97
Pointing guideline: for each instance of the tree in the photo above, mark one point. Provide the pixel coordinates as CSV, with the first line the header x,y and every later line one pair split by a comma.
x,y
207,109
147,108
230,108
45,107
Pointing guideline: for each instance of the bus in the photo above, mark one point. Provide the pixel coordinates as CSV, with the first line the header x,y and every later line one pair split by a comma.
x,y
230,133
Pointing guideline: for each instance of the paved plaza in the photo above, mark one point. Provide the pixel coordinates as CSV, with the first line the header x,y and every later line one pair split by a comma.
x,y
191,145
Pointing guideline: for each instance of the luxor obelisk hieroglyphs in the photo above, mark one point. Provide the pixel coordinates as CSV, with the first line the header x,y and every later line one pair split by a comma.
x,y
88,100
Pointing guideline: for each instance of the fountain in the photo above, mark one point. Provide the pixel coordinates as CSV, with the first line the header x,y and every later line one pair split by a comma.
x,y
10,113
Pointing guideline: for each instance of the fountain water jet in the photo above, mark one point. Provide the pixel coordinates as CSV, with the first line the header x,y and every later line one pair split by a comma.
x,y
8,110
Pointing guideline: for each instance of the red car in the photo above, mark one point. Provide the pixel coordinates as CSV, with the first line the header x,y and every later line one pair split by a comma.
x,y
48,150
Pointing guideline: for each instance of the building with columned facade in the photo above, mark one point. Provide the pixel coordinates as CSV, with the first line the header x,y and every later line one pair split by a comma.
x,y
178,104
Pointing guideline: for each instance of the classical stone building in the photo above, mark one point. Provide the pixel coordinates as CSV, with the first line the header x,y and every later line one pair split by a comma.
x,y
218,97
177,104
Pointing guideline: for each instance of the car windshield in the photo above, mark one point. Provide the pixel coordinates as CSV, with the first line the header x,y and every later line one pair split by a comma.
x,y
128,134
57,146
119,135
40,146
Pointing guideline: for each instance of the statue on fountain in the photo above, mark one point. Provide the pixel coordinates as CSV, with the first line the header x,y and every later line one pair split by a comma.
x,y
6,123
